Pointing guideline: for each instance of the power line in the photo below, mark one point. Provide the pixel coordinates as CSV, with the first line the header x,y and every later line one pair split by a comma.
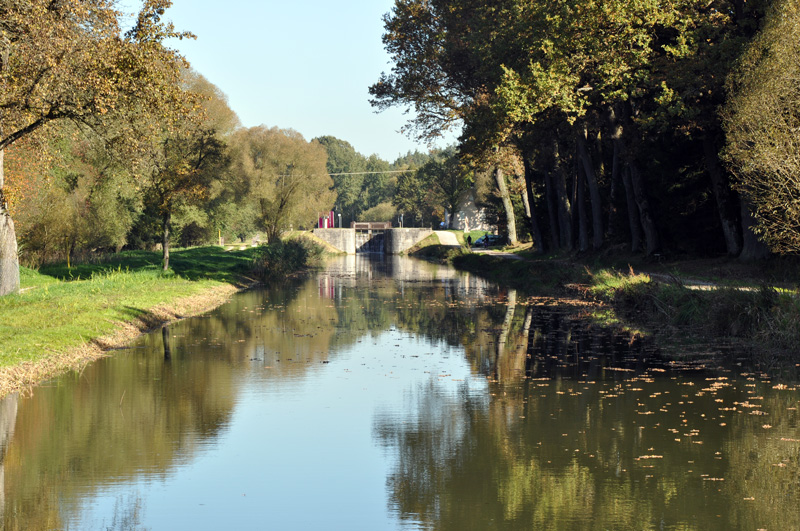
x,y
353,173
370,172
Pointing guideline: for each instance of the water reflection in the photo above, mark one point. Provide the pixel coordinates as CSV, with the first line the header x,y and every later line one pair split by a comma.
x,y
8,419
395,394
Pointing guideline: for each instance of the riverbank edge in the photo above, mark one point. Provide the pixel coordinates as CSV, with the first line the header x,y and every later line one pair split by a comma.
x,y
760,319
25,376
293,258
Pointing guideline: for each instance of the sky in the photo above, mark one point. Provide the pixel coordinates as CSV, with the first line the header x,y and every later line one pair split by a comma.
x,y
300,64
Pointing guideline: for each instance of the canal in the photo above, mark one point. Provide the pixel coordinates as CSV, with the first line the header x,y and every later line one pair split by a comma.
x,y
388,393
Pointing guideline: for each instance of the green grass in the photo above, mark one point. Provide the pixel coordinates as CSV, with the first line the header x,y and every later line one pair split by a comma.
x,y
60,308
766,318
198,263
474,235
606,283
530,276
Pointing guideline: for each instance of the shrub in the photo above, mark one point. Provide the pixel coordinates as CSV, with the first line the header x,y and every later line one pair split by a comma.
x,y
283,258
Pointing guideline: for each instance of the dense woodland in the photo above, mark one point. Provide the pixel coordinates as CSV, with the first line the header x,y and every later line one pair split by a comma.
x,y
585,126
660,127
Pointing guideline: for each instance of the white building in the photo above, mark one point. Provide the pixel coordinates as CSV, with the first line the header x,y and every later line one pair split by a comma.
x,y
468,217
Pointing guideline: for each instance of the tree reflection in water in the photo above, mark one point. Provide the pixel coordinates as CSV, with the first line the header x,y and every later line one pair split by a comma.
x,y
558,423
585,429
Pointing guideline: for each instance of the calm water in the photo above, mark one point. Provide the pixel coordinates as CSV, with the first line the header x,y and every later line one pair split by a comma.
x,y
398,395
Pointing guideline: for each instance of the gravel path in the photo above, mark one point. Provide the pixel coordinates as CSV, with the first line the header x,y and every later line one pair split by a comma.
x,y
447,238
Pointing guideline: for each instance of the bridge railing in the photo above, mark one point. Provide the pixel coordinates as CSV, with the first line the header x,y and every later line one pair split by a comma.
x,y
371,225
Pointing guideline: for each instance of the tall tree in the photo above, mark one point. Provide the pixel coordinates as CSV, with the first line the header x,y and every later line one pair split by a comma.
x,y
347,168
284,175
75,196
512,70
414,198
455,179
761,121
67,60
178,172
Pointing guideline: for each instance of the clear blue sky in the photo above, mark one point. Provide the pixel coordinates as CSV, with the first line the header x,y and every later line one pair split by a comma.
x,y
300,64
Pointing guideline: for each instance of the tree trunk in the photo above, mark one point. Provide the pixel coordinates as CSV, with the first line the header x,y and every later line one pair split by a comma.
x,y
9,258
752,247
652,243
536,232
600,165
552,208
579,204
526,205
562,199
594,189
167,217
612,197
507,206
724,198
633,213
453,209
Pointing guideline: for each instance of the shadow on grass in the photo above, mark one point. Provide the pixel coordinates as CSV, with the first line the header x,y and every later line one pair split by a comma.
x,y
198,263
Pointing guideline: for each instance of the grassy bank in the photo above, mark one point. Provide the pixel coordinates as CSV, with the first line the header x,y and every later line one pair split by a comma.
x,y
431,249
64,317
754,313
529,276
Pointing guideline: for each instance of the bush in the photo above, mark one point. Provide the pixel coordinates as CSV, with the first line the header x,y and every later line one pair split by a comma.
x,y
382,212
281,259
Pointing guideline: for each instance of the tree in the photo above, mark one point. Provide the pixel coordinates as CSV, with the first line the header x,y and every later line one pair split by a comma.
x,y
67,60
218,212
379,185
347,168
178,171
380,212
414,198
570,82
434,190
454,179
285,176
761,120
78,200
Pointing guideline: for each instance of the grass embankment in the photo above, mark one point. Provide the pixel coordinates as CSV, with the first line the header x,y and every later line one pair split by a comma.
x,y
432,249
758,312
65,317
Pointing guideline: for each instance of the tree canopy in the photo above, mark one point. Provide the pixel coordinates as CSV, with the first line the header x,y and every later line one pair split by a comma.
x,y
69,60
284,175
613,106
761,121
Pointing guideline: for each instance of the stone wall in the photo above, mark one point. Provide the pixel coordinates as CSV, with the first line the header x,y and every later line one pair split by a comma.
x,y
342,239
399,241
